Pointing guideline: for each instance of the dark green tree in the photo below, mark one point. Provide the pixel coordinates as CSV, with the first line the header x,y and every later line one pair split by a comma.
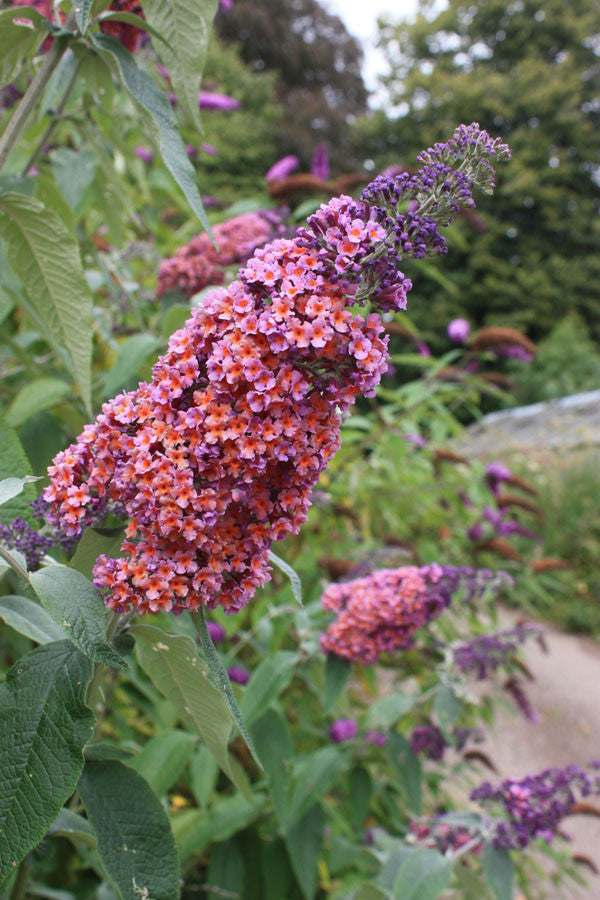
x,y
528,70
318,66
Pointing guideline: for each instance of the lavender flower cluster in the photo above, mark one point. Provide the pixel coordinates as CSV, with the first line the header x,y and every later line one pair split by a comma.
x,y
430,741
532,807
34,544
488,652
449,173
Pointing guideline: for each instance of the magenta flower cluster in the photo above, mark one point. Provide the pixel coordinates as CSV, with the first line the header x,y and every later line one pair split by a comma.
x,y
198,264
381,612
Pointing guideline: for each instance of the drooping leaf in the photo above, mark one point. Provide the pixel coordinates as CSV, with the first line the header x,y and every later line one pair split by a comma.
x,y
163,759
270,678
173,665
132,353
186,25
446,706
407,765
203,775
272,739
14,462
18,41
215,664
46,257
39,394
44,723
499,871
337,673
110,15
291,573
69,824
314,774
75,605
360,792
58,83
303,842
155,103
424,875
74,171
388,710
194,829
226,871
30,619
135,840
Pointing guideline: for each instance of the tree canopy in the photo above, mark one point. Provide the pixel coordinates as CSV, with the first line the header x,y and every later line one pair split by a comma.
x,y
529,71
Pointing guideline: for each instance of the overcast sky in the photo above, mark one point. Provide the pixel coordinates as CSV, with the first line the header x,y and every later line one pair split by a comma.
x,y
360,18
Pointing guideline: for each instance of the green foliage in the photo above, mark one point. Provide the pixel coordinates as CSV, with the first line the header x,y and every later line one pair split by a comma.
x,y
567,362
47,258
424,875
13,461
44,720
135,841
500,872
529,73
30,619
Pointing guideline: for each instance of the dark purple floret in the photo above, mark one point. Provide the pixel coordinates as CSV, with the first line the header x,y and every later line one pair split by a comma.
x,y
428,740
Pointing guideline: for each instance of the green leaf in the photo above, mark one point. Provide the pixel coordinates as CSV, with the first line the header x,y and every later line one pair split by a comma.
x,y
215,664
174,319
135,840
226,871
75,605
40,394
131,19
30,619
44,723
68,824
303,842
423,876
270,678
194,829
46,257
91,546
132,353
337,673
186,25
74,171
407,765
173,665
446,706
164,758
388,710
12,487
499,870
82,13
291,573
314,774
17,42
155,103
101,750
360,792
272,738
58,83
97,80
203,775
13,460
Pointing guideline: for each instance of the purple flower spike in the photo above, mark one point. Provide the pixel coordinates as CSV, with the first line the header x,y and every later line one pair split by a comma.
x,y
320,162
163,71
377,738
282,168
212,100
209,149
458,330
343,730
238,675
217,632
144,153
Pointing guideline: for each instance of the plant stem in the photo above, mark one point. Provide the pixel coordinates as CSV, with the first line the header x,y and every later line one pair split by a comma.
x,y
12,562
52,124
19,119
18,888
